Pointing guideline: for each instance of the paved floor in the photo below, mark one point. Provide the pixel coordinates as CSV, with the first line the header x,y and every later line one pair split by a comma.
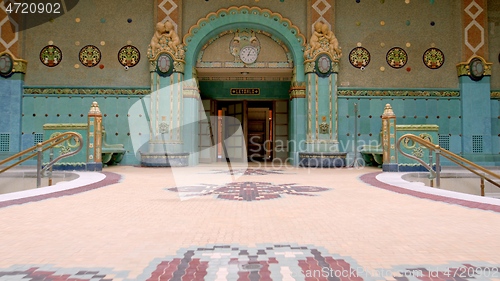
x,y
205,223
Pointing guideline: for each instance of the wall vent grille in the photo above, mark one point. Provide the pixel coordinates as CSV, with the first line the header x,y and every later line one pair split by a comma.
x,y
477,144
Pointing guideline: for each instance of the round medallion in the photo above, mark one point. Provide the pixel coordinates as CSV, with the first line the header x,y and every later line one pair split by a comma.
x,y
129,56
248,54
433,58
164,64
90,56
359,57
396,57
51,55
476,69
6,65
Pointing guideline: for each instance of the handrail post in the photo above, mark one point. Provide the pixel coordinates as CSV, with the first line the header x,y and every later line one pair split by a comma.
x,y
438,168
51,157
39,165
430,171
482,186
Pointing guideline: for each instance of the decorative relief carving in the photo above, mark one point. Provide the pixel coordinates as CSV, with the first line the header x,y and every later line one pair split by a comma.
x,y
165,39
323,40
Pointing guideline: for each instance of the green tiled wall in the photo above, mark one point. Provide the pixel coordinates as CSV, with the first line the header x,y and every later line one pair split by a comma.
x,y
442,111
41,109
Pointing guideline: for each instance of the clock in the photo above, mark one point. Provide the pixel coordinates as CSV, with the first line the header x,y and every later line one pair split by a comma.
x,y
476,69
323,65
248,54
6,65
164,65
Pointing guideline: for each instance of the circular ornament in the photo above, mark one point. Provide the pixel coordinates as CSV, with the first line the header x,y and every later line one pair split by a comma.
x,y
90,56
248,54
51,55
164,65
323,65
396,57
129,56
476,69
433,58
359,57
6,65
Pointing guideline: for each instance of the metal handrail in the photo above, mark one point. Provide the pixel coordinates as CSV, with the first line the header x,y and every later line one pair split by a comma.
x,y
38,150
486,174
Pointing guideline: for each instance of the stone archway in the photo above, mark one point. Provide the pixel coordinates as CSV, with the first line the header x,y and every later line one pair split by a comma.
x,y
250,17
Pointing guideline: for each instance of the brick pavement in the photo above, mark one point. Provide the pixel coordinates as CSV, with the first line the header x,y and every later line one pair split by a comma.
x,y
265,224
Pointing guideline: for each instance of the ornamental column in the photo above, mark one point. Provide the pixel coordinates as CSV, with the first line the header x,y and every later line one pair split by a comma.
x,y
321,59
165,107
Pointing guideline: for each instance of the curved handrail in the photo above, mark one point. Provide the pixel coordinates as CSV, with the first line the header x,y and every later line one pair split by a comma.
x,y
488,175
43,146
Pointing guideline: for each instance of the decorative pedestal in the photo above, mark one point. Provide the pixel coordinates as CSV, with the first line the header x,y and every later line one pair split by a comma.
x,y
159,159
322,159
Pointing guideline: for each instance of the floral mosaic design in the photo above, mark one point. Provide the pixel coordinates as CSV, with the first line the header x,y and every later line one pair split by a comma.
x,y
129,56
397,57
51,55
246,191
359,57
433,58
261,263
85,91
90,56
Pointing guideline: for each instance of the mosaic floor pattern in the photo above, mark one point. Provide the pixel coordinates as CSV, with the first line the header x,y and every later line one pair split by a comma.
x,y
247,191
266,262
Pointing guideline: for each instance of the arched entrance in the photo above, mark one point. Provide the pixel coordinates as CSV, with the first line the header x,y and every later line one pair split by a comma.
x,y
233,20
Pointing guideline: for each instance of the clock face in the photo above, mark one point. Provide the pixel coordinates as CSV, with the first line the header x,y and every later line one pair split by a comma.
x,y
164,65
324,65
248,54
6,65
476,68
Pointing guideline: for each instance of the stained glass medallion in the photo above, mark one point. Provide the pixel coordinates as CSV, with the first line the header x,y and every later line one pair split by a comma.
x,y
51,55
164,64
359,57
433,58
396,57
129,56
90,56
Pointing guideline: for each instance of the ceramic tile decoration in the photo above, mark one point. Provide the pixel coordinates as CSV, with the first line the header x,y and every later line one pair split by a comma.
x,y
433,58
129,56
51,55
247,191
359,57
6,65
396,57
90,56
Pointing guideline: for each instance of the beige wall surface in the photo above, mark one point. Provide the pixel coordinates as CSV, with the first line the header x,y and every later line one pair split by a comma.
x,y
494,42
361,23
356,23
115,33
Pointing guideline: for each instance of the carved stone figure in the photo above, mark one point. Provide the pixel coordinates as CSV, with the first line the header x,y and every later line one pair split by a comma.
x,y
166,39
323,40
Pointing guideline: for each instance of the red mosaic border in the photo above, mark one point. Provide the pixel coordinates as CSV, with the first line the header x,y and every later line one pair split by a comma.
x,y
111,178
371,179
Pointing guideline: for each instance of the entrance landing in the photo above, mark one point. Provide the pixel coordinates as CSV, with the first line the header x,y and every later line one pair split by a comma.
x,y
319,224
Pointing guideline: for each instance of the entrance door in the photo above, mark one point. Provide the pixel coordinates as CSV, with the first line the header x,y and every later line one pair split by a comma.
x,y
258,133
234,140
280,129
207,131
